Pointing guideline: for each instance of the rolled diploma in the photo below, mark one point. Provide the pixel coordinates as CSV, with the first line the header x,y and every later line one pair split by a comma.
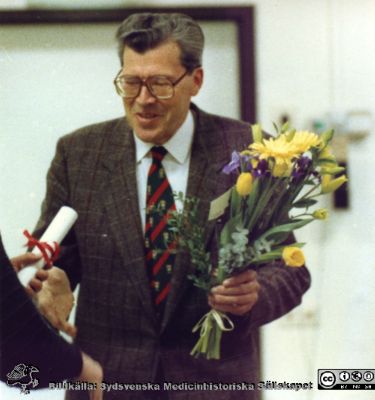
x,y
56,231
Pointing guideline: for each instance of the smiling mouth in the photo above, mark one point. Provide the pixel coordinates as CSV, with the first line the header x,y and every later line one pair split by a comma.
x,y
147,116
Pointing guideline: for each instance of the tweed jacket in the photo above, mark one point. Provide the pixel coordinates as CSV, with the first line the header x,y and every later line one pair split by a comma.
x,y
94,171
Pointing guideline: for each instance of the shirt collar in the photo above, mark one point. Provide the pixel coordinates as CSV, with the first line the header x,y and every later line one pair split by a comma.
x,y
178,146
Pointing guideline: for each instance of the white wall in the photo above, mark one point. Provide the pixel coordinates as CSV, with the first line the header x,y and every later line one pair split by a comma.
x,y
313,58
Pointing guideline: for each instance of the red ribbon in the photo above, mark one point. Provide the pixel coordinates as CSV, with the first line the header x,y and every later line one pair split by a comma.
x,y
44,248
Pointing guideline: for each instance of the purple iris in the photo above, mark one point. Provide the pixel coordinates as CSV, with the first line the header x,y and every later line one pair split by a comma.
x,y
261,169
301,168
233,164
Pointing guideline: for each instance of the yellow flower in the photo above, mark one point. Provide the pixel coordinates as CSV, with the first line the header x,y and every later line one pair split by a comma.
x,y
332,170
293,256
283,169
304,141
244,183
320,213
257,133
326,154
330,185
326,137
279,149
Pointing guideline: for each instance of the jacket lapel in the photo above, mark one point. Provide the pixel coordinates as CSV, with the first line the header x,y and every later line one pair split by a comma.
x,y
121,202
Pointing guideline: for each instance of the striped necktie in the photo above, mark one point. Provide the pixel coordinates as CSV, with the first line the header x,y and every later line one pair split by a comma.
x,y
158,243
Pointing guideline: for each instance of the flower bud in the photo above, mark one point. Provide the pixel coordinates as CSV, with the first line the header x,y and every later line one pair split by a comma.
x,y
293,256
326,154
244,183
327,136
257,133
290,135
321,213
281,170
332,170
330,185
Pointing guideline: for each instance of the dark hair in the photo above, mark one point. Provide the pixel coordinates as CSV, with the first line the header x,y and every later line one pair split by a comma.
x,y
145,31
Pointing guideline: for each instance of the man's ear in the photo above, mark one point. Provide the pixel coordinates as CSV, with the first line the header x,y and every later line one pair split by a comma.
x,y
197,81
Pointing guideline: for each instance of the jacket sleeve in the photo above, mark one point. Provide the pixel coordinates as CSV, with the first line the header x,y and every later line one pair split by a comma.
x,y
281,289
25,338
58,195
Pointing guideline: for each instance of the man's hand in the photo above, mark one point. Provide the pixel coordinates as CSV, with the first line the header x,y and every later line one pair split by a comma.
x,y
92,372
237,295
36,283
55,301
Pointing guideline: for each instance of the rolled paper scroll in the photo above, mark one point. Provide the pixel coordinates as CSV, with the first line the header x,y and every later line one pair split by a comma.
x,y
53,236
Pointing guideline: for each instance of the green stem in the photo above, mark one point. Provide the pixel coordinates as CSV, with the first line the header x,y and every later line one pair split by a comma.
x,y
301,215
221,275
278,192
309,192
261,204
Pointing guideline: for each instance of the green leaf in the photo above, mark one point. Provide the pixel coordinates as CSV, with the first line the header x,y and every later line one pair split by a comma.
x,y
229,228
278,238
262,202
305,203
276,127
285,228
282,247
235,203
309,182
285,127
252,199
267,257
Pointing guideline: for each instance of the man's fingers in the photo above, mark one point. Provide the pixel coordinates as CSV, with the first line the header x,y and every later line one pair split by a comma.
x,y
235,300
35,285
231,308
96,394
238,290
236,280
30,292
237,294
41,275
69,329
54,319
24,260
92,372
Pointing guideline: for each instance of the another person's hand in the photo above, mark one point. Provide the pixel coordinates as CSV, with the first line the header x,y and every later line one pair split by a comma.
x,y
55,301
237,295
92,372
36,283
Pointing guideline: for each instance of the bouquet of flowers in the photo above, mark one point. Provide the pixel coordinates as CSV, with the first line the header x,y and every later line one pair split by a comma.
x,y
275,175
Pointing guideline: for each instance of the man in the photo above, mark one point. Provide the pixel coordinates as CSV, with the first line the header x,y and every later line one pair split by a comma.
x,y
141,334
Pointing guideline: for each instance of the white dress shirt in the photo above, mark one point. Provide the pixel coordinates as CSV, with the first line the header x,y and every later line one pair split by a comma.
x,y
176,163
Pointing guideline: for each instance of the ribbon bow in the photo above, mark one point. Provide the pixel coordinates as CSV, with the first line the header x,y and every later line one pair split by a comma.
x,y
49,253
211,326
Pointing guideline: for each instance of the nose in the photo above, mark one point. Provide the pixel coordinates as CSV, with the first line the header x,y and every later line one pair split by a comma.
x,y
145,97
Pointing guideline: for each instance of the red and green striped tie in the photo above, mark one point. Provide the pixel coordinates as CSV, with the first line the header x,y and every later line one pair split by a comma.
x,y
159,244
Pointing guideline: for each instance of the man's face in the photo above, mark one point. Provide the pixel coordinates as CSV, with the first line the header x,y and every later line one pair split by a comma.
x,y
155,120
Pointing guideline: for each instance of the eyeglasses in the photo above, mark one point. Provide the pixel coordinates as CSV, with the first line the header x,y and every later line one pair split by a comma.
x,y
159,86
